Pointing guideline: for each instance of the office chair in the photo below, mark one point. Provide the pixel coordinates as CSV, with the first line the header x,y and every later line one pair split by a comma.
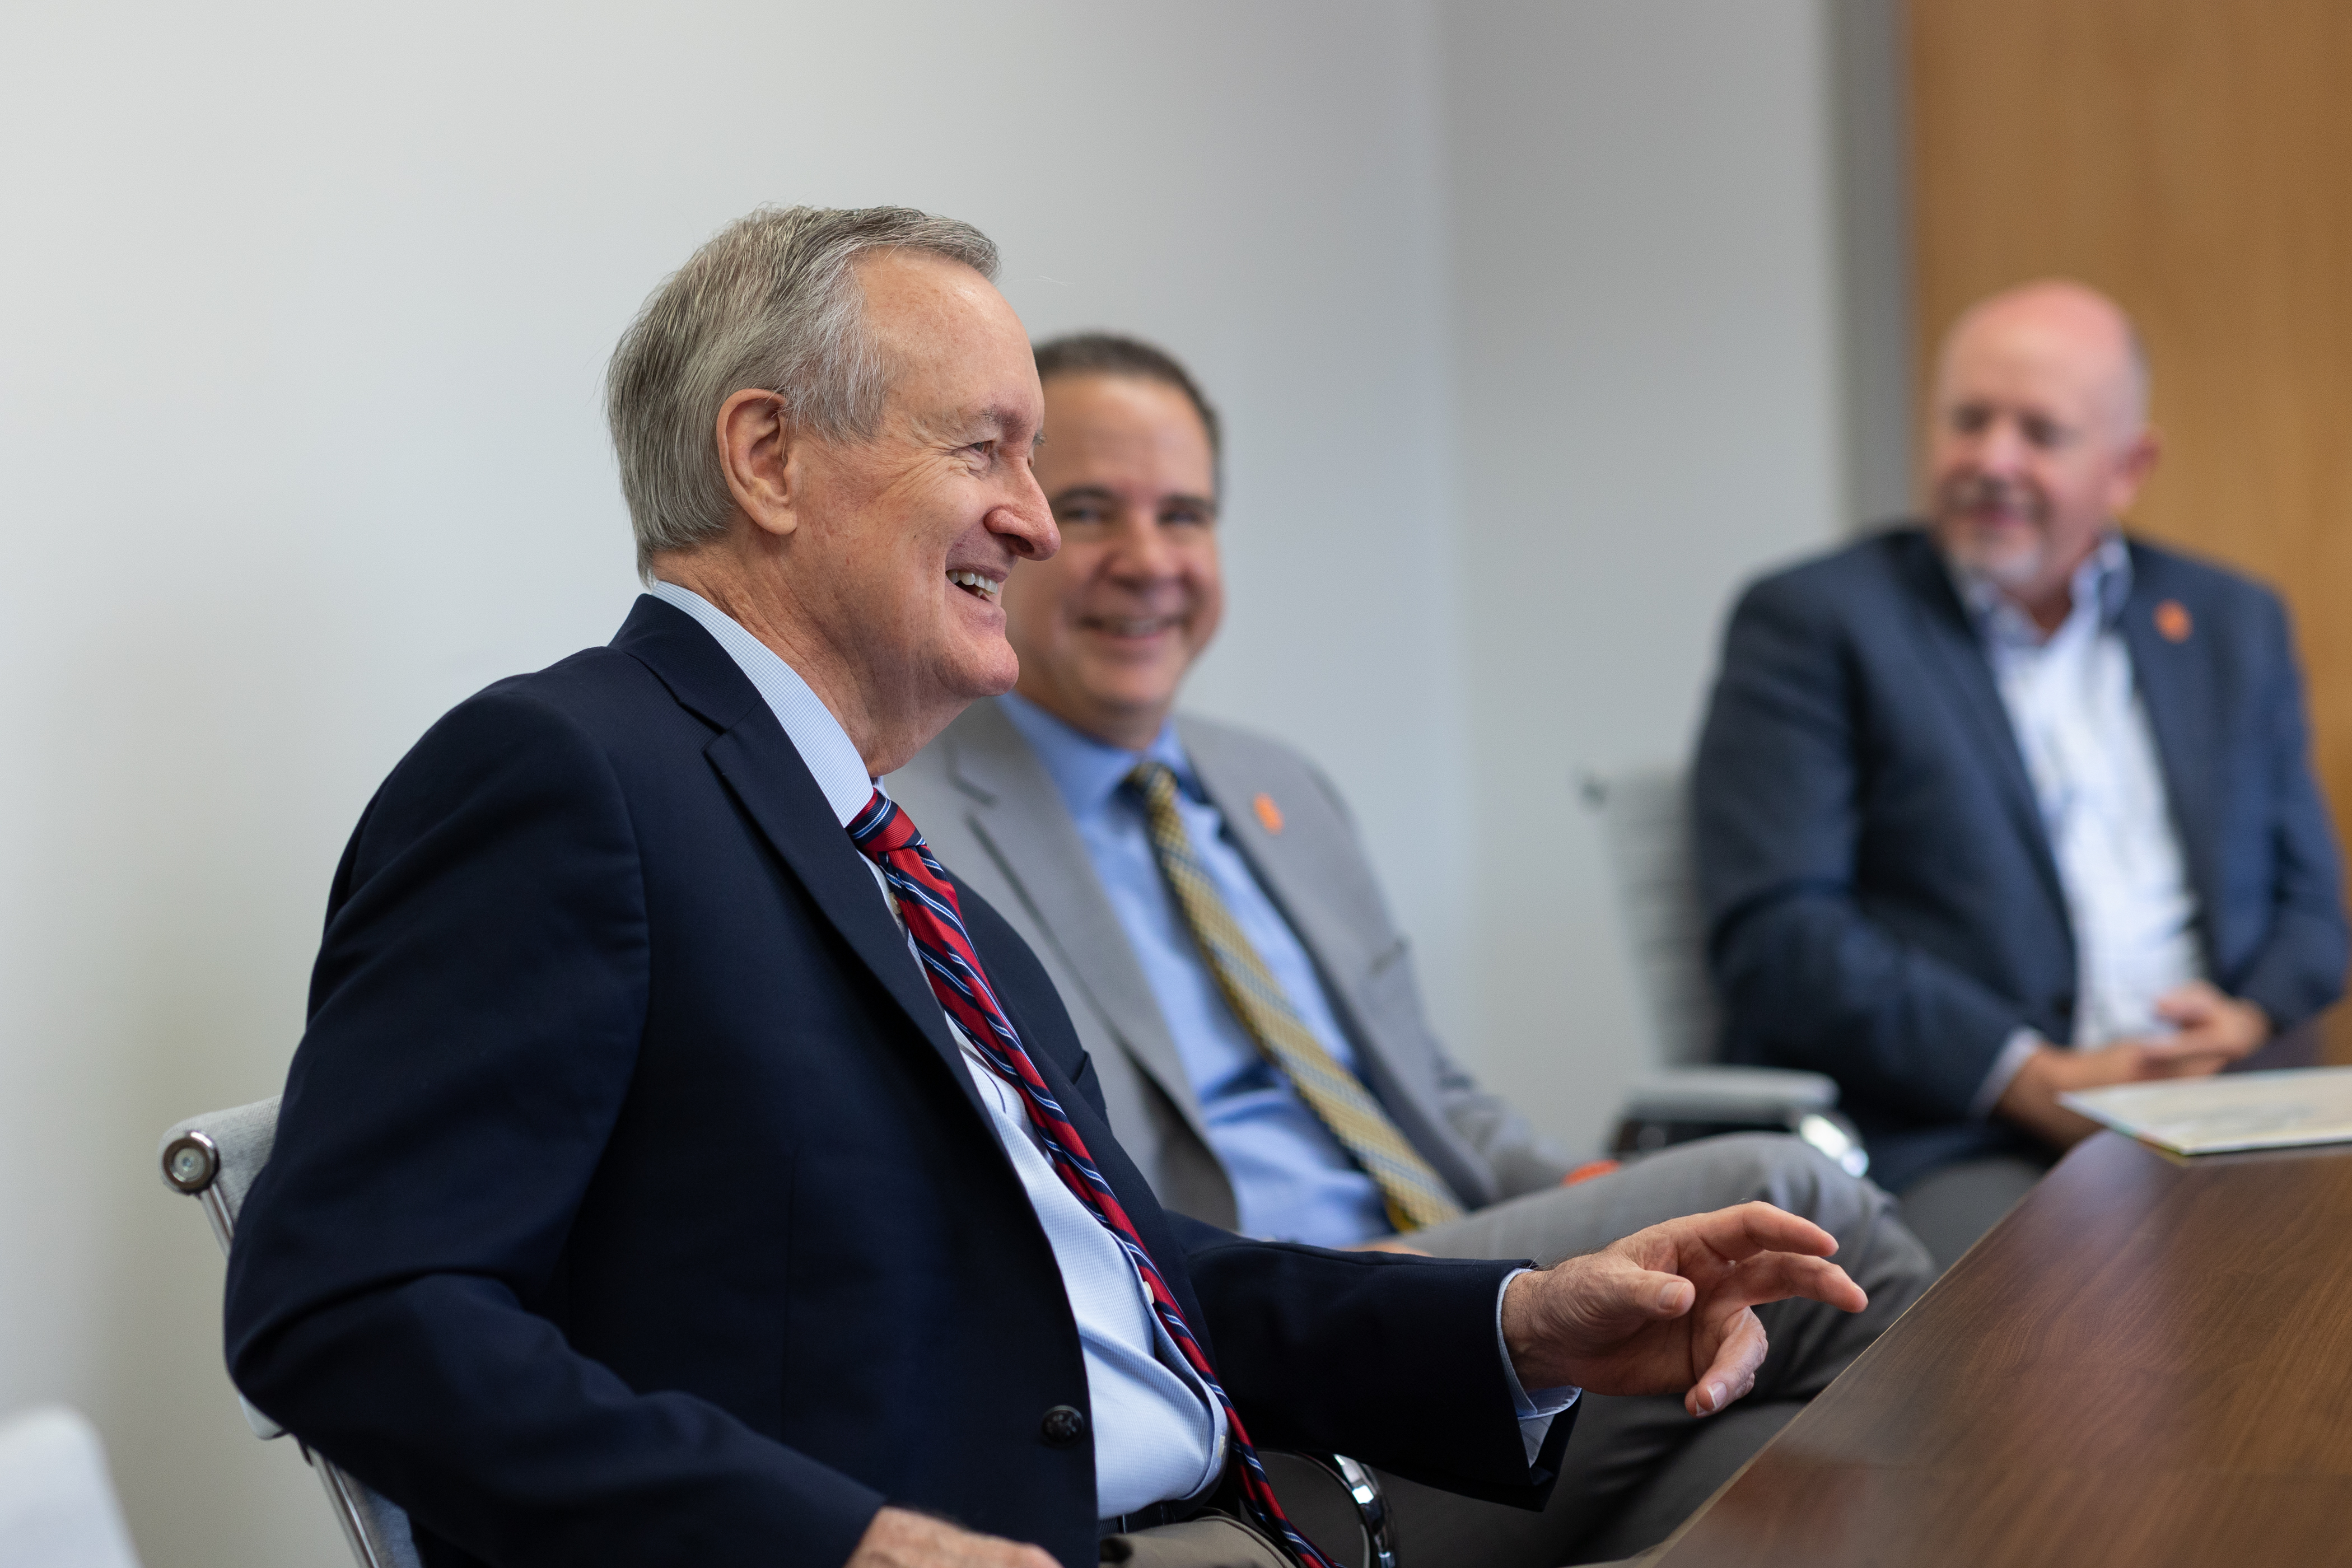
x,y
57,1504
1644,819
213,1159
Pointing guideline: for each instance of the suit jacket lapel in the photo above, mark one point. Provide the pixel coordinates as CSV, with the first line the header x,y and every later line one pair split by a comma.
x,y
756,759
1017,811
2175,681
1951,648
1340,956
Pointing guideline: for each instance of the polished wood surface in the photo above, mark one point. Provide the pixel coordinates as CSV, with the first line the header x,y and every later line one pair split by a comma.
x,y
2194,159
2148,1363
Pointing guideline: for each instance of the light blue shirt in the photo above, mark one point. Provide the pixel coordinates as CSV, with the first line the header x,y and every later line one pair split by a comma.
x,y
1157,1435
1292,1179
2083,732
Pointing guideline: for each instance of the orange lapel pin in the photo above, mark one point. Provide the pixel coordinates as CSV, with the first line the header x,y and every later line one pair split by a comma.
x,y
2173,622
1269,813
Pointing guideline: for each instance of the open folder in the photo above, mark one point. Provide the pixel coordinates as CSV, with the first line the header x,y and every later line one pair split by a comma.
x,y
2236,1111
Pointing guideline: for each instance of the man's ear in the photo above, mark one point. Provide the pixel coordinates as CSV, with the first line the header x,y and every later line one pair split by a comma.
x,y
2133,469
755,453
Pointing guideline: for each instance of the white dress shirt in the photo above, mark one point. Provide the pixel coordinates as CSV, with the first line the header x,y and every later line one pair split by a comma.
x,y
2083,732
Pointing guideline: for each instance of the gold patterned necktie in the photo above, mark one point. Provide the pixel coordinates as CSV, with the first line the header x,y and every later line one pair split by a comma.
x,y
1416,1195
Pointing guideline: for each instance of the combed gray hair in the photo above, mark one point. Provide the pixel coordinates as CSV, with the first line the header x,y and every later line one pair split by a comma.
x,y
772,301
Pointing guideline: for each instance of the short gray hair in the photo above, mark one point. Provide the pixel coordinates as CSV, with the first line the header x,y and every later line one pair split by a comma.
x,y
772,301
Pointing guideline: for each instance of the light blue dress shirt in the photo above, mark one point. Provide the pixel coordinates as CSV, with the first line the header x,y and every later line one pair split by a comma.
x,y
1292,1180
2083,732
1157,1435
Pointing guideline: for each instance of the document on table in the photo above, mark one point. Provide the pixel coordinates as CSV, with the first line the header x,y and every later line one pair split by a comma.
x,y
2235,1111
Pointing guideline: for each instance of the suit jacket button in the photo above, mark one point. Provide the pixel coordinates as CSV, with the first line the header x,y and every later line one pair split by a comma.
x,y
1063,1426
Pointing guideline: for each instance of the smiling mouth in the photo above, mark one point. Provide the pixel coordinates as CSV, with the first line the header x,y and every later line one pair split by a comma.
x,y
1132,625
985,589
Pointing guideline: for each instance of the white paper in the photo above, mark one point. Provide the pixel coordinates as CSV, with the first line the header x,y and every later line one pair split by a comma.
x,y
2237,1110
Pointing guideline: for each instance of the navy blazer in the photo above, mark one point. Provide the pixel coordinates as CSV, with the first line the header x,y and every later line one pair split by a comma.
x,y
1882,904
631,1203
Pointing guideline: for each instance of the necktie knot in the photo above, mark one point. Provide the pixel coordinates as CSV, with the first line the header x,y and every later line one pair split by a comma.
x,y
1155,782
883,829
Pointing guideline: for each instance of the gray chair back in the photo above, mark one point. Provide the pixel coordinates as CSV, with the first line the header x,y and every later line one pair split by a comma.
x,y
1644,819
213,1159
57,1502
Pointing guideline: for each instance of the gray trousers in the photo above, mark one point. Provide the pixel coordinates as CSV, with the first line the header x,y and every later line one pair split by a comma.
x,y
1950,1207
1635,1467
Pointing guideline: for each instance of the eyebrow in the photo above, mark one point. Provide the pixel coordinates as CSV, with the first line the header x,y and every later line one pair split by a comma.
x,y
991,420
1000,418
1097,492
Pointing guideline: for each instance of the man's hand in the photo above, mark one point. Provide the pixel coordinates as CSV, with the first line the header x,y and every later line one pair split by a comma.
x,y
1669,1309
2214,1030
901,1539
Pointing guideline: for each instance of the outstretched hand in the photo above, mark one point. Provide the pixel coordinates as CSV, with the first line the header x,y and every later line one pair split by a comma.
x,y
1671,1309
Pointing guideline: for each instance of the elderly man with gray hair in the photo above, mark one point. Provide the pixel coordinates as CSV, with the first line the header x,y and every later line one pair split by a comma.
x,y
681,1166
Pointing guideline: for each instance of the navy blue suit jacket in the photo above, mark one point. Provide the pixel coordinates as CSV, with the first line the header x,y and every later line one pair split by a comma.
x,y
1883,904
631,1203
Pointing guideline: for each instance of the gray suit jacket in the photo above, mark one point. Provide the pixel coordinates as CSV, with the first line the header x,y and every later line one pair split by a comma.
x,y
992,814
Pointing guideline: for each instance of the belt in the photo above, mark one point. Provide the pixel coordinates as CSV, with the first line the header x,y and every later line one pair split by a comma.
x,y
1152,1518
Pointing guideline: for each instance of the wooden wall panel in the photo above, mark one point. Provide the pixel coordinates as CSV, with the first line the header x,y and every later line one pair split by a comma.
x,y
2194,159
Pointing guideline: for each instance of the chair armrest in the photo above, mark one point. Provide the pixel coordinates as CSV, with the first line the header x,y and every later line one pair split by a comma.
x,y
1730,1094
1337,1504
1676,1106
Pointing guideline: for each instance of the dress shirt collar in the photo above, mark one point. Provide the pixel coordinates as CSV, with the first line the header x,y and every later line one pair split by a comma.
x,y
1086,771
815,733
2102,581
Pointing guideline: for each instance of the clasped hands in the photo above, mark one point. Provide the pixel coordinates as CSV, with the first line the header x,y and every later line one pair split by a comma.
x,y
2210,1030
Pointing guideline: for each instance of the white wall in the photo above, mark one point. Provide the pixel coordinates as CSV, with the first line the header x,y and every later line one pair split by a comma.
x,y
1517,314
1647,358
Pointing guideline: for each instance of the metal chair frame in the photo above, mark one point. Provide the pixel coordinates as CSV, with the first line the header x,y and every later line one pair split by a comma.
x,y
374,1528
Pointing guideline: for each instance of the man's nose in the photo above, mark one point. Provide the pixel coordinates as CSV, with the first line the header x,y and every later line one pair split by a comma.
x,y
2003,449
1024,520
1140,550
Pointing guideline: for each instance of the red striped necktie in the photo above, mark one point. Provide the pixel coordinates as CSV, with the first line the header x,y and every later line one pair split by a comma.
x,y
934,920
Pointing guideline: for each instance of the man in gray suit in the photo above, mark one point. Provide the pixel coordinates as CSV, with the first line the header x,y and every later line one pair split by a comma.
x,y
1199,897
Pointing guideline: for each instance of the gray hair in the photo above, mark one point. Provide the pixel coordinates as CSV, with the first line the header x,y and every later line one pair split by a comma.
x,y
771,301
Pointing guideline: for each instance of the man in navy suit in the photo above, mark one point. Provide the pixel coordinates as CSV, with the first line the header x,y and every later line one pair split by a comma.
x,y
642,1193
2014,804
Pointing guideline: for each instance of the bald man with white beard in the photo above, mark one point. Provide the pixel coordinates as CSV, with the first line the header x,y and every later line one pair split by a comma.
x,y
2013,804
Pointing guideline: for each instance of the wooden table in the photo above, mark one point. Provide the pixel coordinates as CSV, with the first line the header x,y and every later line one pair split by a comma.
x,y
2148,1363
